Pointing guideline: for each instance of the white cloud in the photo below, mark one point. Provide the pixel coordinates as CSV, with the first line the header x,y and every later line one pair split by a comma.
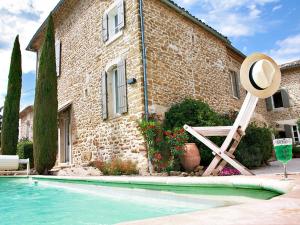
x,y
233,18
287,49
277,7
21,17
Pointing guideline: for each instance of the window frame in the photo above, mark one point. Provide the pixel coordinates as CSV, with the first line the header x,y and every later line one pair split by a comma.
x,y
295,131
111,14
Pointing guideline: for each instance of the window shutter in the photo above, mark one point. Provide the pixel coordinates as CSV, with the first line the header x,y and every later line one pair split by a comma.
x,y
269,104
104,95
122,87
285,98
121,14
58,57
105,27
288,131
237,83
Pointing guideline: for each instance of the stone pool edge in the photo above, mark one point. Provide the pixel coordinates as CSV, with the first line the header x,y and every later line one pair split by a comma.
x,y
270,184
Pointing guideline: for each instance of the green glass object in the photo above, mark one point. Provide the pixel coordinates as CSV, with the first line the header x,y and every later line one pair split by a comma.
x,y
283,149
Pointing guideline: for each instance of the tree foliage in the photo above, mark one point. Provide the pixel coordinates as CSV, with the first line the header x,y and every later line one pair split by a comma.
x,y
10,123
45,106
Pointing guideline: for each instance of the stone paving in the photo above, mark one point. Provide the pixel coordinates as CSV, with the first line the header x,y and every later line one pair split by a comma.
x,y
276,167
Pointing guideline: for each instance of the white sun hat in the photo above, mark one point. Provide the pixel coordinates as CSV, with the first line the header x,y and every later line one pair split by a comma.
x,y
260,75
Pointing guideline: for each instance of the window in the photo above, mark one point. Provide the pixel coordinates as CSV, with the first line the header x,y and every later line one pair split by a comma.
x,y
27,129
280,99
277,100
58,57
295,133
113,22
235,84
114,90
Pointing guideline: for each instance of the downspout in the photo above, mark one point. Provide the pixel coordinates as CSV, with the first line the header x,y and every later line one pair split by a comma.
x,y
144,59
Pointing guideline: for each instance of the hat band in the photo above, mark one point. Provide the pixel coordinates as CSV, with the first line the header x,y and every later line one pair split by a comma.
x,y
252,80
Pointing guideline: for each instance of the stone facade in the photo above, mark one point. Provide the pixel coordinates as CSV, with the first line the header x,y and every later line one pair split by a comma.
x,y
184,59
279,118
187,61
26,123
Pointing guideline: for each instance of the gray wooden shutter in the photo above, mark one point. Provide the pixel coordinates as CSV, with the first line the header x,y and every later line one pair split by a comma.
x,y
269,104
285,98
58,57
288,131
105,27
122,87
237,83
121,14
104,95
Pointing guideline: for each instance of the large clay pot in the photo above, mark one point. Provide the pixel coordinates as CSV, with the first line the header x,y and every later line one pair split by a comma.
x,y
191,157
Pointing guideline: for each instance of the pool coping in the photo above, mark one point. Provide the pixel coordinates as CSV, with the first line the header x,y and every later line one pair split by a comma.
x,y
257,182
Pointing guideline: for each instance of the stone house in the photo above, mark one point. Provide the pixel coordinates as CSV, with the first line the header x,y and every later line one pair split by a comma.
x,y
26,123
284,106
117,61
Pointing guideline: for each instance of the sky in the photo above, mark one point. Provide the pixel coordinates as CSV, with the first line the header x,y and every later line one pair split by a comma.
x,y
268,26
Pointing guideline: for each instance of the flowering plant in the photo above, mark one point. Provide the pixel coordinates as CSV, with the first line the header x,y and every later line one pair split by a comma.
x,y
175,141
164,147
228,171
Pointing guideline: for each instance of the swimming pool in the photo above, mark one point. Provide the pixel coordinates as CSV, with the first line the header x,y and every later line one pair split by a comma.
x,y
24,201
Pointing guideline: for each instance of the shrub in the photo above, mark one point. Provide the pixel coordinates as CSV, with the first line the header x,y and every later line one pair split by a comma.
x,y
296,151
116,167
196,113
256,147
25,151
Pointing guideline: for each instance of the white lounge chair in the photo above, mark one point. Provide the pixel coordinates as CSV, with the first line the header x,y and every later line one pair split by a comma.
x,y
10,164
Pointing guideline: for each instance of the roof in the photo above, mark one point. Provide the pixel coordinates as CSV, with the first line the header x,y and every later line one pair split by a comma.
x,y
26,110
290,65
171,4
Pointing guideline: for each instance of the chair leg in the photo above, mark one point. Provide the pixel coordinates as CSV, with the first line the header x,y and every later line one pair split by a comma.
x,y
212,166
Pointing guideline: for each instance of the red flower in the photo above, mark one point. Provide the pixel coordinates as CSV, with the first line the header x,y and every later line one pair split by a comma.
x,y
157,156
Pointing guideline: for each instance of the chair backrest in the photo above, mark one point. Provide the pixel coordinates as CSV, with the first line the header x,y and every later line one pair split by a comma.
x,y
242,120
9,162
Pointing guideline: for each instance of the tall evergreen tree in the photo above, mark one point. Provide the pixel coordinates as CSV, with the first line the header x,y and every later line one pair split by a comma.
x,y
45,106
10,123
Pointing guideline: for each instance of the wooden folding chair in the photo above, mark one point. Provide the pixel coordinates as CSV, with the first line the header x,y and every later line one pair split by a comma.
x,y
234,134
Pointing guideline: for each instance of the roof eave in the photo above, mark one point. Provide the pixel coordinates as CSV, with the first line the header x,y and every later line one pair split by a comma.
x,y
42,27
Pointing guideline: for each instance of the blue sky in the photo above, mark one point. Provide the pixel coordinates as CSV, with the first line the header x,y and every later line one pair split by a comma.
x,y
268,26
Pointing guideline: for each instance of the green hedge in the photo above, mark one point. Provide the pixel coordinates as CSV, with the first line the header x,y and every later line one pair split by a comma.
x,y
255,148
25,151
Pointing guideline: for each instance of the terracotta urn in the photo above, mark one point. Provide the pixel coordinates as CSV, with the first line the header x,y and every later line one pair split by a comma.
x,y
191,157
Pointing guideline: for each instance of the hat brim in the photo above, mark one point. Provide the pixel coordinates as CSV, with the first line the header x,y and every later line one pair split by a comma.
x,y
245,78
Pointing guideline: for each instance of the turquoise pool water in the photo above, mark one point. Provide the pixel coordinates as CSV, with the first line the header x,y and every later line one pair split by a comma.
x,y
23,202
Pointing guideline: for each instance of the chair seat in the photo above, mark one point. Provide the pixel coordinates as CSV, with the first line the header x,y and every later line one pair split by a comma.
x,y
213,131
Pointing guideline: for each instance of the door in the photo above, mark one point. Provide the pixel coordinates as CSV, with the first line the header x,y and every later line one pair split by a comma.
x,y
67,137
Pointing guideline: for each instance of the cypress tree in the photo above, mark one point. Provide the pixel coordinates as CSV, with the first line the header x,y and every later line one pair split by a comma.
x,y
45,106
10,123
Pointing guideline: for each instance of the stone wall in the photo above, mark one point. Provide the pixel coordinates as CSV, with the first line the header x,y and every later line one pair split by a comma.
x,y
26,125
186,61
83,57
290,81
